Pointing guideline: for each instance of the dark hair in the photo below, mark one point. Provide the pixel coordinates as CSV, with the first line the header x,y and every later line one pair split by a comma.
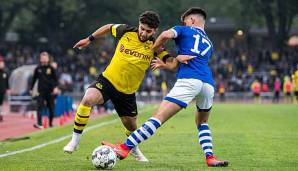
x,y
194,10
150,18
44,53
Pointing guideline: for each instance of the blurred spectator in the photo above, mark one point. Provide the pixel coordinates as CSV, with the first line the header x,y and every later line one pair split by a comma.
x,y
256,89
4,87
287,88
295,80
238,66
277,88
265,87
164,88
221,91
47,87
65,81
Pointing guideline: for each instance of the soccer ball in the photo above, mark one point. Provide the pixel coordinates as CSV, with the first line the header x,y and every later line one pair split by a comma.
x,y
104,157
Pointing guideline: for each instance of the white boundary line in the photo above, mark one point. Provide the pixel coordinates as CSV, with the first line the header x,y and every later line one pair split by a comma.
x,y
61,138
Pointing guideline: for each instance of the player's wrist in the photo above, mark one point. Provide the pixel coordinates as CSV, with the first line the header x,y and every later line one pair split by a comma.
x,y
91,38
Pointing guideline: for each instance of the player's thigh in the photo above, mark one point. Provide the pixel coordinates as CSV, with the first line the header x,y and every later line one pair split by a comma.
x,y
92,97
124,104
97,92
204,100
184,91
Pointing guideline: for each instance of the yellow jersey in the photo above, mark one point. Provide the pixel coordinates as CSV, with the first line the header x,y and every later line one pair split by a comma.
x,y
296,80
131,59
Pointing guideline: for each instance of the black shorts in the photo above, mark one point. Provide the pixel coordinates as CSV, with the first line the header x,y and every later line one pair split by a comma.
x,y
125,104
296,93
257,94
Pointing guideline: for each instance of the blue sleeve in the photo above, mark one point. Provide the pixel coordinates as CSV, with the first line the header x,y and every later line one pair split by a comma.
x,y
177,30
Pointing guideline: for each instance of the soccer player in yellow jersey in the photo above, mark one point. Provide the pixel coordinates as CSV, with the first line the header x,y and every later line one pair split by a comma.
x,y
122,77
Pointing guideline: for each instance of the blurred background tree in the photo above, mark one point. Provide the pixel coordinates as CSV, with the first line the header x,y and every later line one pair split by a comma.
x,y
58,24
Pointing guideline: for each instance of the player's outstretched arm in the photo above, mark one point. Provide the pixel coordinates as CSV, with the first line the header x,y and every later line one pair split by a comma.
x,y
171,64
162,38
184,58
99,32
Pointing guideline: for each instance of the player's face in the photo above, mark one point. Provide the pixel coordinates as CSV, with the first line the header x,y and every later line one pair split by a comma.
x,y
44,59
145,32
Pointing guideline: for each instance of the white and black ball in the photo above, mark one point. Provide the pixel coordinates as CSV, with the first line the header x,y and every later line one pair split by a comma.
x,y
104,157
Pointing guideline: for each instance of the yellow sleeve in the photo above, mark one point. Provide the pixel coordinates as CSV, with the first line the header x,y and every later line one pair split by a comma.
x,y
163,55
118,30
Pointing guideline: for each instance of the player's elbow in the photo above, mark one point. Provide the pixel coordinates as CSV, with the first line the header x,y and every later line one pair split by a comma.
x,y
166,35
109,26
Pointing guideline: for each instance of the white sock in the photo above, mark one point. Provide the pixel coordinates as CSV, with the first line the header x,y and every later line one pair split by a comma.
x,y
76,137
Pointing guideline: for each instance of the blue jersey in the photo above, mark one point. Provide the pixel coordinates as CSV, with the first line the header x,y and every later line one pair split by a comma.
x,y
194,42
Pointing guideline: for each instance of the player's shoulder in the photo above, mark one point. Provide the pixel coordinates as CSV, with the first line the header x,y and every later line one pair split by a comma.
x,y
124,28
118,30
180,27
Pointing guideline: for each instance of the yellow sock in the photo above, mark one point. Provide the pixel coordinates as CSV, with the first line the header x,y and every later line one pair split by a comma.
x,y
81,118
127,132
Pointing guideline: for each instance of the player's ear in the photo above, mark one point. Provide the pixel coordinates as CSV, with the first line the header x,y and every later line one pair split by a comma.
x,y
156,30
192,20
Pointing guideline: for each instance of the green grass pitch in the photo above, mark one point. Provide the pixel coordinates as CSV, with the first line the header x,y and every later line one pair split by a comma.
x,y
252,137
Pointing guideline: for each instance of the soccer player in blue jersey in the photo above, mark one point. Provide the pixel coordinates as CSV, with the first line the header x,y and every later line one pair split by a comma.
x,y
194,81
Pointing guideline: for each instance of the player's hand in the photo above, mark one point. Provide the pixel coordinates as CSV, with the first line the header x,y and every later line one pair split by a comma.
x,y
157,64
56,91
184,58
30,92
82,43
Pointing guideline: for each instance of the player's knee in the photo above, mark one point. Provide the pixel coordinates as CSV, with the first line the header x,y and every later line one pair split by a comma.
x,y
131,127
88,101
129,123
92,97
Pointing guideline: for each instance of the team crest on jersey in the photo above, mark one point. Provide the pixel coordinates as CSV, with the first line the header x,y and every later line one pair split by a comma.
x,y
49,72
146,47
98,85
4,75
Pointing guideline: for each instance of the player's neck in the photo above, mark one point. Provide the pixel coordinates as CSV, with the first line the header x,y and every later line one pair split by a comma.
x,y
199,27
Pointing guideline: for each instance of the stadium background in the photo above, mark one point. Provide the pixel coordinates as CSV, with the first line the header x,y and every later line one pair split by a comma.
x,y
254,39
